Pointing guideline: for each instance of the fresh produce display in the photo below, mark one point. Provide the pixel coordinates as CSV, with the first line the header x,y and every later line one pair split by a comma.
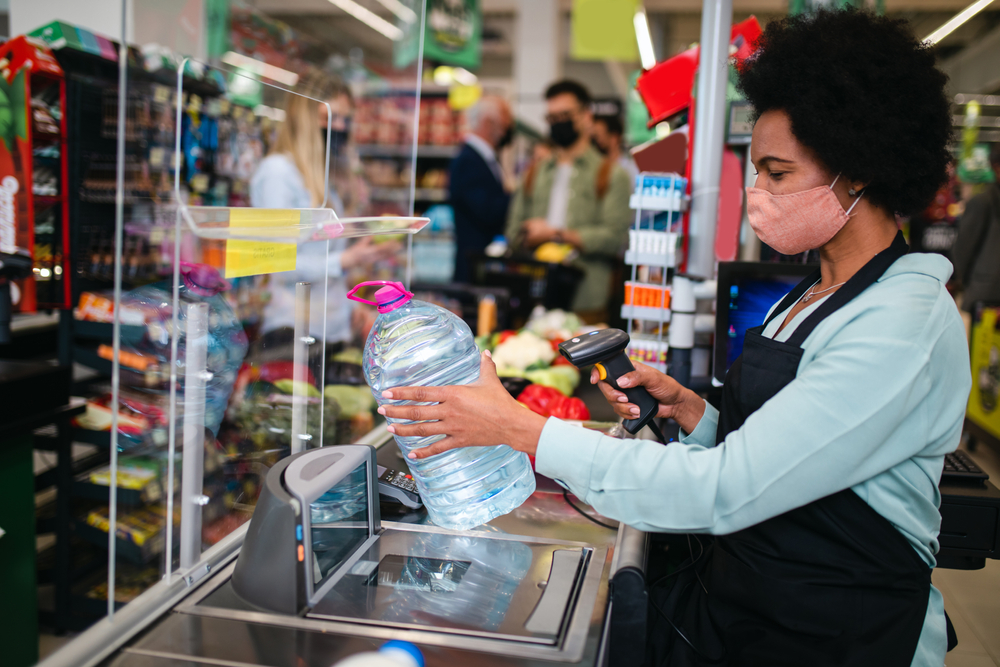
x,y
563,378
550,402
522,352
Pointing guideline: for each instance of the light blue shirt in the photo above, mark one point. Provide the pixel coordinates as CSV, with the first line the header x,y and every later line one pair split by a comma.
x,y
277,183
878,400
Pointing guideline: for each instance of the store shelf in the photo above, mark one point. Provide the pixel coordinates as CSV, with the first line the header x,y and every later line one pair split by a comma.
x,y
124,549
666,260
47,200
645,313
406,150
104,331
402,194
651,203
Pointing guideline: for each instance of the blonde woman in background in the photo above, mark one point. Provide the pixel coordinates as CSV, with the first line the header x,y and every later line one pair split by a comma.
x,y
293,176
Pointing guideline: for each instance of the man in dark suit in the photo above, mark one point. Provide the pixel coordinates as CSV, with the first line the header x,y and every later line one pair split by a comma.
x,y
476,188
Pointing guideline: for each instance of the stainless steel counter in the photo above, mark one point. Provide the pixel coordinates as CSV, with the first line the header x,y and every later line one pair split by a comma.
x,y
178,634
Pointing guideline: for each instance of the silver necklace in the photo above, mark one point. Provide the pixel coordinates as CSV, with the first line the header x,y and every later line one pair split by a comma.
x,y
813,291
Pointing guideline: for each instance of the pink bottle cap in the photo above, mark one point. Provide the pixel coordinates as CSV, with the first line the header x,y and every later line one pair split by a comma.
x,y
390,297
203,280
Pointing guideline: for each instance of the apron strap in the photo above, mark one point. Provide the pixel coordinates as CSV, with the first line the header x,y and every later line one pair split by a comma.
x,y
859,282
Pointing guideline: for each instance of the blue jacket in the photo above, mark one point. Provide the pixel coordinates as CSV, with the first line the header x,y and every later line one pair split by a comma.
x,y
480,205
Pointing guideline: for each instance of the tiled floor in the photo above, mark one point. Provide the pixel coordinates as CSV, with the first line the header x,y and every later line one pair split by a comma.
x,y
972,598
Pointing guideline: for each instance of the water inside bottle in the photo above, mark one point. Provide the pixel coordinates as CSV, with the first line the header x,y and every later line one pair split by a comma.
x,y
414,343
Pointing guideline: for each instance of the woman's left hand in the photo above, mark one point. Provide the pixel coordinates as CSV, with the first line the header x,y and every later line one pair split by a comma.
x,y
472,415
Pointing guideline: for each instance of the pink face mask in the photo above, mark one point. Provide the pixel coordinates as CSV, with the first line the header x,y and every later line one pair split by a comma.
x,y
799,221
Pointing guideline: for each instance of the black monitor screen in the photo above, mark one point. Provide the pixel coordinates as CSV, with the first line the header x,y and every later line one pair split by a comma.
x,y
747,291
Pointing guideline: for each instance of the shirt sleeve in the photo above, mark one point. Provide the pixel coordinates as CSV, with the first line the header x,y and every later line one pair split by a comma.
x,y
825,431
705,430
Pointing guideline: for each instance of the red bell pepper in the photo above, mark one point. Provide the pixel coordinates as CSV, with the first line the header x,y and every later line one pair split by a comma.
x,y
550,402
504,335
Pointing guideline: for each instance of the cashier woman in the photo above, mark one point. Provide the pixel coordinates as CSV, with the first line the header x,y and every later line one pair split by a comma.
x,y
818,478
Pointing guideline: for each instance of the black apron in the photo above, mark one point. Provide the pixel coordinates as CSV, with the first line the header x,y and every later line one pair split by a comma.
x,y
829,583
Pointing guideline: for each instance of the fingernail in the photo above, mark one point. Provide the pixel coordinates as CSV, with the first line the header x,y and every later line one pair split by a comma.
x,y
487,353
386,394
635,411
390,428
623,399
381,410
411,455
623,382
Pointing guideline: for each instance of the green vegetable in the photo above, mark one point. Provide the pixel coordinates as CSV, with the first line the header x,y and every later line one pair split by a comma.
x,y
556,377
288,387
352,400
483,343
350,355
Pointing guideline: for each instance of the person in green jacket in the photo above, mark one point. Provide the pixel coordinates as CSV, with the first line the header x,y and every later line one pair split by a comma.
x,y
575,197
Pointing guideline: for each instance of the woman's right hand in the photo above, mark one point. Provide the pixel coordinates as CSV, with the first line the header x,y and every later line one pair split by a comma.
x,y
676,402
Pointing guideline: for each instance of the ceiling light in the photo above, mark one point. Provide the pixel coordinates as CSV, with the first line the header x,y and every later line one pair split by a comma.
x,y
957,20
645,40
260,68
369,18
400,10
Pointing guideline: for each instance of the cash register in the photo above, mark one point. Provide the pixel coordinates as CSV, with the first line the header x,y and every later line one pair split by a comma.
x,y
317,556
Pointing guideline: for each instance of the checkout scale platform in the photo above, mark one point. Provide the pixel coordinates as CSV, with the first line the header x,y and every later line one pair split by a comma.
x,y
308,588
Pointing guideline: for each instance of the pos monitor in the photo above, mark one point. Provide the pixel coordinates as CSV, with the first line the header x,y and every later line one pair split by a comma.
x,y
746,292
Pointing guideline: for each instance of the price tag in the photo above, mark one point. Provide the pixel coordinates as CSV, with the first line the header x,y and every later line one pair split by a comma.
x,y
156,156
199,183
254,258
161,94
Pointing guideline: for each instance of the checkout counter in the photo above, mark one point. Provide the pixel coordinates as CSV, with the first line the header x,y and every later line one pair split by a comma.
x,y
530,588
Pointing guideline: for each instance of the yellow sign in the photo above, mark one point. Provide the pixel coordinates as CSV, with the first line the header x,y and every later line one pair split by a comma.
x,y
253,258
603,30
984,401
462,97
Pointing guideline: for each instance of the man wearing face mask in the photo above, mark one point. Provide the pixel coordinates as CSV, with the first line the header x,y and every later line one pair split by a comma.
x,y
576,197
476,189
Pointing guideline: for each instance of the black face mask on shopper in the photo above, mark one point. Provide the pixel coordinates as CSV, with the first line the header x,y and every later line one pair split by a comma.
x,y
507,138
563,134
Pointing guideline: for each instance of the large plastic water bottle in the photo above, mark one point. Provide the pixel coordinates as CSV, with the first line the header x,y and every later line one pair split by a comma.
x,y
394,653
414,343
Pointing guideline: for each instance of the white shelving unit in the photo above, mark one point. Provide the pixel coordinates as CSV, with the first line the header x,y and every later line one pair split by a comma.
x,y
650,248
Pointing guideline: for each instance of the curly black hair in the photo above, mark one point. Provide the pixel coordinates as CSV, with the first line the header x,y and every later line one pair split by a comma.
x,y
864,95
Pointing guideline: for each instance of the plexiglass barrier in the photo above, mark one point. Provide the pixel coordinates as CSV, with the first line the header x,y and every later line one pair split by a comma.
x,y
242,214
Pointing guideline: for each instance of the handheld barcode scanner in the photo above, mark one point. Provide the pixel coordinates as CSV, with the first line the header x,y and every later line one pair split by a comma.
x,y
605,350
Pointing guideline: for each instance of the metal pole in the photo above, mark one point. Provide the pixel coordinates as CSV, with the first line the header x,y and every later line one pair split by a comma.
x,y
709,135
300,360
116,323
193,448
682,306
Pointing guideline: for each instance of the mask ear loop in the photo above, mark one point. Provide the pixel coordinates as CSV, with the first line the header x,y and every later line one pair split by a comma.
x,y
860,195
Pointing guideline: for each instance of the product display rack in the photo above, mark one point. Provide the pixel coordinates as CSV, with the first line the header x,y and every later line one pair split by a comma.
x,y
659,200
34,194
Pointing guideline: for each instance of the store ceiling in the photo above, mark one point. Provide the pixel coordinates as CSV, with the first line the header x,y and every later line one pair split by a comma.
x,y
678,21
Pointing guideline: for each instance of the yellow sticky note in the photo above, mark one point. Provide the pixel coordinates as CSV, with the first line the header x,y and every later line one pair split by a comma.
x,y
254,258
